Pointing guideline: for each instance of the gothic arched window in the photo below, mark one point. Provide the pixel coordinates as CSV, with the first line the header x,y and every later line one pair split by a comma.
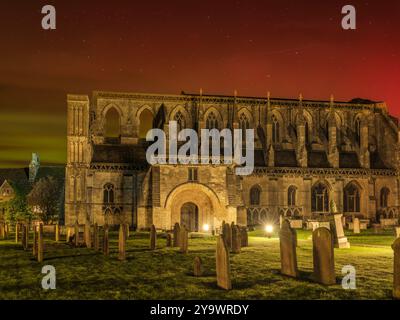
x,y
255,195
243,124
112,124
292,196
319,198
108,193
180,119
212,121
275,130
351,198
384,197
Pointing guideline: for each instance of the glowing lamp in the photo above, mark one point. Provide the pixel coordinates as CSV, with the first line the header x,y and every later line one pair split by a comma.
x,y
206,227
269,229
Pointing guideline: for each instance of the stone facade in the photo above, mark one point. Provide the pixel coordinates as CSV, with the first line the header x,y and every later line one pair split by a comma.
x,y
307,153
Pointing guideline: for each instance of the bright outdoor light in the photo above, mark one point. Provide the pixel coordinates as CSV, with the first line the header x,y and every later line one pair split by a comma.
x,y
269,228
206,227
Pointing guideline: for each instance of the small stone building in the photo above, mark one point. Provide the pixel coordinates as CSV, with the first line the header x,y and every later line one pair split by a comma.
x,y
307,153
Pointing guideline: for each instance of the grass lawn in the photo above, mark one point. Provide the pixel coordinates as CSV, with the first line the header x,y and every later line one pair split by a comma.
x,y
167,274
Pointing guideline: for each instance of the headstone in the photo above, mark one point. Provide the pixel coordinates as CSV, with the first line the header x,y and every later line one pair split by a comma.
x,y
397,229
244,237
35,242
57,232
223,268
177,235
2,230
356,226
197,267
323,256
287,237
169,240
87,235
17,232
396,269
106,245
40,246
96,240
76,232
122,243
153,237
68,234
236,239
184,240
338,232
227,233
23,238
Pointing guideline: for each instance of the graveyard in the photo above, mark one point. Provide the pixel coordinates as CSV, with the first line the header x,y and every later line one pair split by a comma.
x,y
149,269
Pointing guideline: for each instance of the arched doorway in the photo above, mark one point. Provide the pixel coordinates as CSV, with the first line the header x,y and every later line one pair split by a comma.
x,y
190,217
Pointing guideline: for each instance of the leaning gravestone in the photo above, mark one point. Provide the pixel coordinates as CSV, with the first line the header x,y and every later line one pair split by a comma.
x,y
40,246
356,226
338,232
76,232
106,245
184,240
96,240
287,237
153,237
122,243
323,256
244,237
396,269
169,240
223,268
197,267
87,235
236,239
177,235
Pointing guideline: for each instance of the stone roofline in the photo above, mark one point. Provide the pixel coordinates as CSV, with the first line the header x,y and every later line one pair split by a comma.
x,y
377,106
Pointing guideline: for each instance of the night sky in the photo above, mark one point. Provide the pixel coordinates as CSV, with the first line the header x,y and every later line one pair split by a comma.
x,y
285,47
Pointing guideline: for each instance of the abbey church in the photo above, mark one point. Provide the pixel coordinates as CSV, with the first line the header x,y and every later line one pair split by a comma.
x,y
307,153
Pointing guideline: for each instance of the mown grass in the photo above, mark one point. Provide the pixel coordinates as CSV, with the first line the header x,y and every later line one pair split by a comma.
x,y
167,274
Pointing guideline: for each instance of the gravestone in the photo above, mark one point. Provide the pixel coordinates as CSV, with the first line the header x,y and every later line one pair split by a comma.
x,y
40,246
323,256
184,240
177,235
57,232
2,230
76,232
68,234
106,245
87,235
338,233
197,267
16,232
236,239
96,240
153,237
227,233
396,269
169,240
35,242
356,226
244,237
122,242
287,238
223,268
397,230
23,238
